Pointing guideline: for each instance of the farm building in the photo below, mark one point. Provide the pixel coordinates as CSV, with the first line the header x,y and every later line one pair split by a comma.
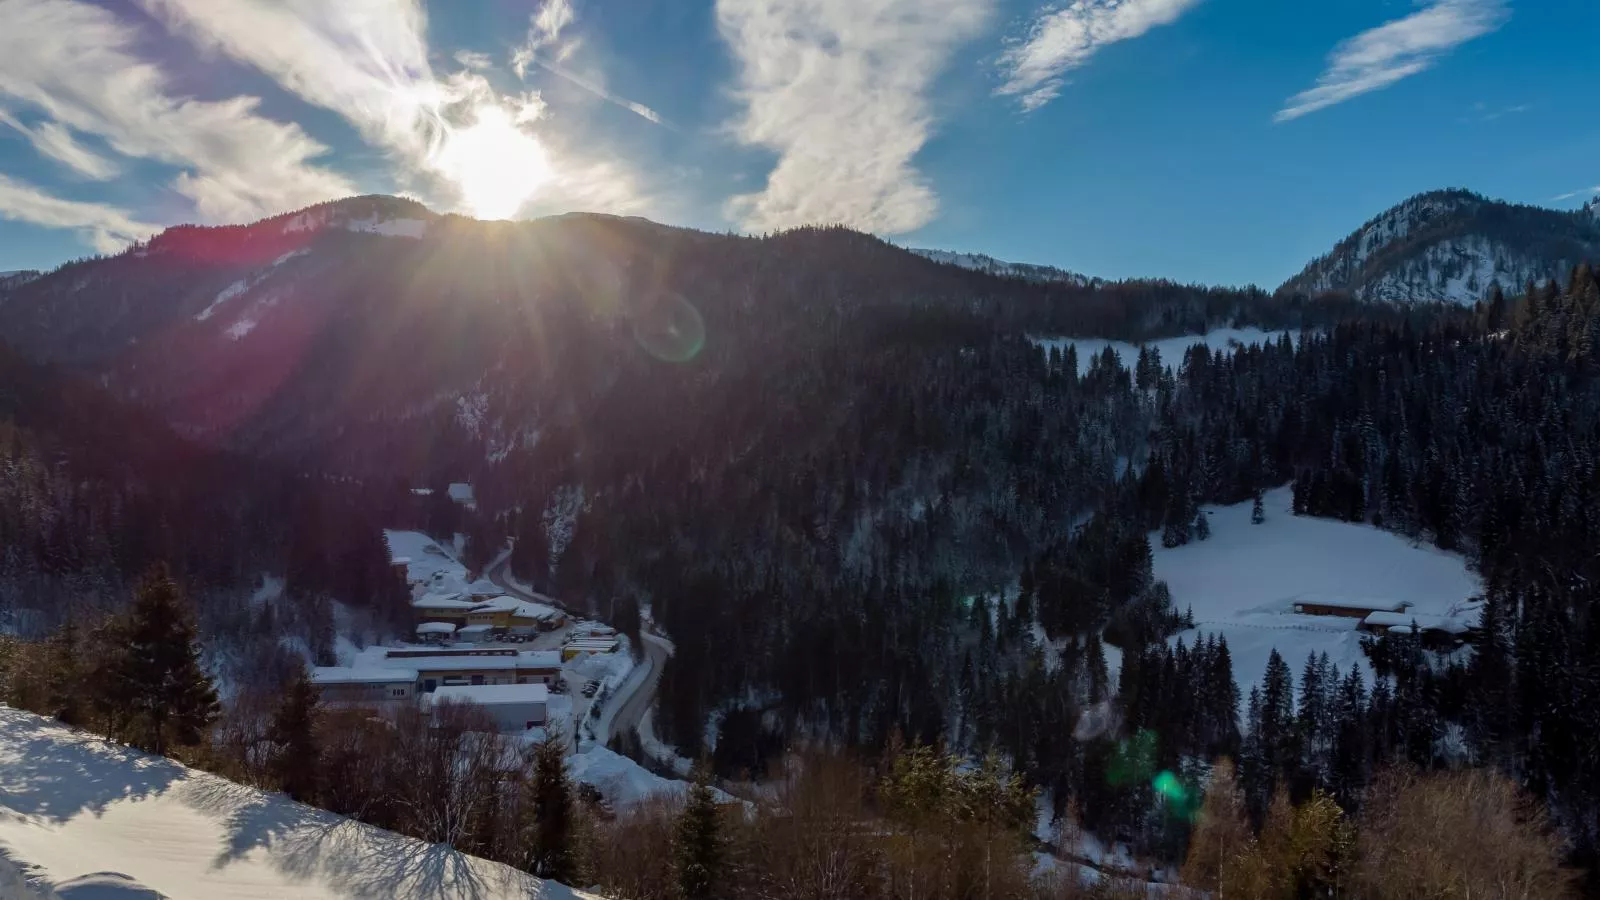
x,y
340,686
1435,631
1358,608
514,707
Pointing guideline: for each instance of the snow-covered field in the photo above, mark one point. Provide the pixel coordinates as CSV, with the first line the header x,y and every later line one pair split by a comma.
x,y
1172,349
73,806
1244,581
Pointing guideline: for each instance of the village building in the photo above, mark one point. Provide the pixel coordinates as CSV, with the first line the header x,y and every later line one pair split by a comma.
x,y
340,686
513,707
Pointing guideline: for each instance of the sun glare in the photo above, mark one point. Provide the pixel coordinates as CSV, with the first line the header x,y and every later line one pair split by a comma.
x,y
496,165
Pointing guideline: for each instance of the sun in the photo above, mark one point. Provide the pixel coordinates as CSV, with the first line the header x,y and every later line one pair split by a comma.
x,y
496,165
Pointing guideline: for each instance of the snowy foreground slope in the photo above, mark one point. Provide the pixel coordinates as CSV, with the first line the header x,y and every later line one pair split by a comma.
x,y
1243,583
81,818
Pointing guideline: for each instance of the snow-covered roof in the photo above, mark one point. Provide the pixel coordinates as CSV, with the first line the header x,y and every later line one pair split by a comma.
x,y
493,694
343,675
125,818
483,587
1337,602
521,609
1403,621
538,659
474,630
461,492
436,628
443,601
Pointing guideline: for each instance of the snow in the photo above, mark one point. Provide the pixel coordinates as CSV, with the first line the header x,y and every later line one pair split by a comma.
x,y
239,329
461,492
979,262
623,782
406,228
1172,349
1244,581
87,819
493,694
425,559
343,675
223,296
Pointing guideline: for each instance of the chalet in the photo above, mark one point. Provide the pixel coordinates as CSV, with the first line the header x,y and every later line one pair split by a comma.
x,y
514,707
1441,632
1347,608
340,686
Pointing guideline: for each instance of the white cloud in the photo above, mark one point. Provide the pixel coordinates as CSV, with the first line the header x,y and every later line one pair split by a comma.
x,y
1580,192
545,48
367,60
105,228
839,89
53,140
472,59
1396,50
75,63
1064,39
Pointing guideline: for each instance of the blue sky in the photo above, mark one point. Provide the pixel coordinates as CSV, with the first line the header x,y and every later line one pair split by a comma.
x,y
1221,141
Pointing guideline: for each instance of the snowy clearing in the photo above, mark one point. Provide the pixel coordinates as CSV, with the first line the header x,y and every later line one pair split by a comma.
x,y
623,782
1244,581
1172,349
80,814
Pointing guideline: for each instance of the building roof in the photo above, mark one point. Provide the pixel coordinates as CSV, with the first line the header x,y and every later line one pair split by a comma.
x,y
475,629
1355,603
1392,621
436,628
442,601
519,608
493,694
537,659
343,675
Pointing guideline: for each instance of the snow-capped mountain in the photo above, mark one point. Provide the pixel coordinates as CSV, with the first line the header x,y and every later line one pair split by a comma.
x,y
1453,246
988,265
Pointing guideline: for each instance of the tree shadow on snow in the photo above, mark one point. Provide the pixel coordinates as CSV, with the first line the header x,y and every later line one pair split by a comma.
x,y
52,772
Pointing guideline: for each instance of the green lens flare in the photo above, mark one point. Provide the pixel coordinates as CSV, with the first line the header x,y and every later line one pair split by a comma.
x,y
672,331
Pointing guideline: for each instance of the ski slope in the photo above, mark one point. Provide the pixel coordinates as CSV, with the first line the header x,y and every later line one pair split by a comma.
x,y
83,818
1172,349
1243,582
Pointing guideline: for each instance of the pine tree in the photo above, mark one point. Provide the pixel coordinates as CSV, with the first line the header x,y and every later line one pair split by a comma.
x,y
295,760
1258,513
1202,527
698,851
157,678
552,799
64,675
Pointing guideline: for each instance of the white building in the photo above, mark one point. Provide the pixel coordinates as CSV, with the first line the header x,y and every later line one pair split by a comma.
x,y
339,685
514,707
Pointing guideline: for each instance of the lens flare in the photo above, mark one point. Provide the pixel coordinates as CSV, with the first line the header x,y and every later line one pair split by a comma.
x,y
671,330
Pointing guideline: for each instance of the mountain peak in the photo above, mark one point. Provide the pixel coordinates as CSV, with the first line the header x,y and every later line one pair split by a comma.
x,y
1451,246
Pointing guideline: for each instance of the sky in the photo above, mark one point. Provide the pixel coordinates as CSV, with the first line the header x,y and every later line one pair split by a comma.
x,y
1215,141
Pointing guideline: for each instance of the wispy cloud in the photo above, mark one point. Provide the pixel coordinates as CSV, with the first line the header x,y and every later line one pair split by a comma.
x,y
839,90
55,141
1580,192
367,60
472,59
1063,39
1482,112
546,49
74,62
105,228
1396,50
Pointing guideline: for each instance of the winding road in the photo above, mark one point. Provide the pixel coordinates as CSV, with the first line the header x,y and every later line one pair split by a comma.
x,y
627,706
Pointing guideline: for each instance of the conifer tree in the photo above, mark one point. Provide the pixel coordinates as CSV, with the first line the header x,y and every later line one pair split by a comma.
x,y
698,848
295,760
156,677
63,676
1258,513
553,801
